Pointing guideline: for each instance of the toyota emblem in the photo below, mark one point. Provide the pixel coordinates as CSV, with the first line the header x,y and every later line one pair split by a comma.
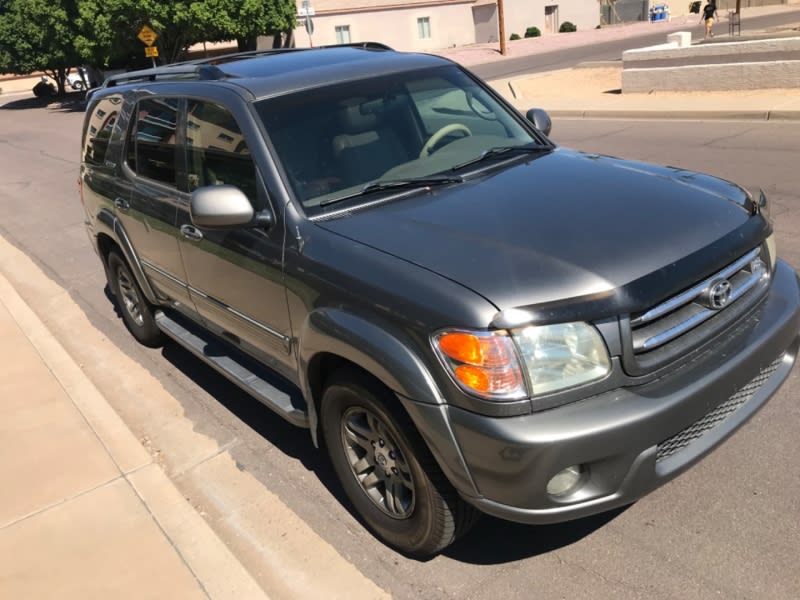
x,y
718,294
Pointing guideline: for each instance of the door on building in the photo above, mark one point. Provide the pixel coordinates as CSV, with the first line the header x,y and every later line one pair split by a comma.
x,y
551,18
485,18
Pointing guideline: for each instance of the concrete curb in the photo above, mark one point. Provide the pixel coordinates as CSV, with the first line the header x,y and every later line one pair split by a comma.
x,y
211,562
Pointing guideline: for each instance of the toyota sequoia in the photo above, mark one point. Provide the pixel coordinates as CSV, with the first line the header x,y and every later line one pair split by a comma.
x,y
467,317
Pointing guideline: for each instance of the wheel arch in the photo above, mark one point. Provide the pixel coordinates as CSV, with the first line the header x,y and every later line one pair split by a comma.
x,y
333,339
112,236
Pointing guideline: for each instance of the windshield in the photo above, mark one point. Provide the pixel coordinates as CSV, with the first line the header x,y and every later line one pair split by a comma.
x,y
335,141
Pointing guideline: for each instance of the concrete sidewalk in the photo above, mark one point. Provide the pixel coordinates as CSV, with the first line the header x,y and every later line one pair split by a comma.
x,y
595,92
85,511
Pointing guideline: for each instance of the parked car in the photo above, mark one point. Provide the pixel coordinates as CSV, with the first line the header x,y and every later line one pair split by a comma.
x,y
76,80
86,77
467,317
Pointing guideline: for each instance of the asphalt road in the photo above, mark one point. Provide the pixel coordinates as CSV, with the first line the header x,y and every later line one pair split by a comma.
x,y
569,57
728,528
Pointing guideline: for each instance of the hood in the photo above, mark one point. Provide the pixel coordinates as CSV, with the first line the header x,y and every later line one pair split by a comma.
x,y
565,226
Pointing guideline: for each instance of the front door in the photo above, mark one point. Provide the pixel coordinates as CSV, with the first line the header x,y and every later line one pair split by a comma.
x,y
235,275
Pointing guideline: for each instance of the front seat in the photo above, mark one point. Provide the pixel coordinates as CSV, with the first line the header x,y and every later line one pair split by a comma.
x,y
366,148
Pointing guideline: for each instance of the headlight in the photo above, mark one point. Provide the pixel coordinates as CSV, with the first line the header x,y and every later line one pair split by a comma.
x,y
554,357
484,364
562,356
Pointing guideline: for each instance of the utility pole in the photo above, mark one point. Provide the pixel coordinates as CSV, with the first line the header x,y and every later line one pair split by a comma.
x,y
501,22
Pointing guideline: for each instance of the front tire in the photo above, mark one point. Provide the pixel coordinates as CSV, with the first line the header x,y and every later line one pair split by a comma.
x,y
137,313
386,470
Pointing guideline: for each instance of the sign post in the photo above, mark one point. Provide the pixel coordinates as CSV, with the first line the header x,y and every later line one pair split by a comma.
x,y
148,38
307,11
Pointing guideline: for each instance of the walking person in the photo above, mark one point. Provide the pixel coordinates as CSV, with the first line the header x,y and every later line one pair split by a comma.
x,y
709,14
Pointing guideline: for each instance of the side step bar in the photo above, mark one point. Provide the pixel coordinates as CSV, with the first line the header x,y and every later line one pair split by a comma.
x,y
233,364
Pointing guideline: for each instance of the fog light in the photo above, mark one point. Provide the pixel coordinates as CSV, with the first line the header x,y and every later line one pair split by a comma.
x,y
565,481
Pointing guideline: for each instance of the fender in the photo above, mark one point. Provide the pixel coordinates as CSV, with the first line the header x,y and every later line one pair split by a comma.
x,y
114,228
390,360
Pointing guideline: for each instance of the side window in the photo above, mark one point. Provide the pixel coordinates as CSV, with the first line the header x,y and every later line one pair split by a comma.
x,y
98,130
151,142
216,152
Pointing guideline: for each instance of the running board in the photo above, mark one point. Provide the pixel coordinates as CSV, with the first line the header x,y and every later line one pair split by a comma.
x,y
233,364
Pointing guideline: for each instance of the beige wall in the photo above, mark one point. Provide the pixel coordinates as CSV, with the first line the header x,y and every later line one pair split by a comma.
x,y
521,14
450,25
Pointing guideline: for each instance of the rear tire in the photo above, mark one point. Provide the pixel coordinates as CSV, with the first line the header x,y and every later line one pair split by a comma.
x,y
386,470
137,313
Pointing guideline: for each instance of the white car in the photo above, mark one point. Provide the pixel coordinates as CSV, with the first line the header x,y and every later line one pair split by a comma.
x,y
84,78
78,80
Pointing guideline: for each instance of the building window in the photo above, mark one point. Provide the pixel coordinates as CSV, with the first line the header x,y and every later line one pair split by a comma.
x,y
343,34
424,28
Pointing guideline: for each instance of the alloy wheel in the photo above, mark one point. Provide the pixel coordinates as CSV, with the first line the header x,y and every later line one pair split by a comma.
x,y
377,462
130,297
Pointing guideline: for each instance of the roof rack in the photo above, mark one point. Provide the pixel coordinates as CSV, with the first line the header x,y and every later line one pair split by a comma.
x,y
206,69
178,71
223,58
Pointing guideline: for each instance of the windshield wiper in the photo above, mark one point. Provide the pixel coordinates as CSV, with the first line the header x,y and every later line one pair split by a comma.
x,y
412,183
501,150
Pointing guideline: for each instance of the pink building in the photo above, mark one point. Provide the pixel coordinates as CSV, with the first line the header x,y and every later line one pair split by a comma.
x,y
421,25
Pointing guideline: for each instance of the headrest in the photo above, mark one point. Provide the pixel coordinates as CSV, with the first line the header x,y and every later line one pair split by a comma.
x,y
354,119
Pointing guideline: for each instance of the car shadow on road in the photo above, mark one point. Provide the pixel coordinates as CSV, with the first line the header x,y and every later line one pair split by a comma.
x,y
494,541
292,441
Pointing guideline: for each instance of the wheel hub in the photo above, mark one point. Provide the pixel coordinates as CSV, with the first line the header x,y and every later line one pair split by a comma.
x,y
377,462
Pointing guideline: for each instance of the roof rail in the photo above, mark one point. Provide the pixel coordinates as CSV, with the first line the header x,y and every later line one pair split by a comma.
x,y
364,45
223,58
206,69
179,71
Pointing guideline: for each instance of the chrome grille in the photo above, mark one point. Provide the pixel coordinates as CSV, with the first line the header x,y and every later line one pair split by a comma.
x,y
716,416
685,321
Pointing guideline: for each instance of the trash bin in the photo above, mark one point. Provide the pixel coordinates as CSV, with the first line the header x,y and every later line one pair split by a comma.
x,y
659,12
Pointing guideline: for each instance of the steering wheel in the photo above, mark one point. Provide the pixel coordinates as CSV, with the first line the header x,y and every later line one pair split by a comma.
x,y
441,133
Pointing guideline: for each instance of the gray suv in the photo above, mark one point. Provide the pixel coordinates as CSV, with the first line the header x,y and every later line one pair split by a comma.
x,y
467,317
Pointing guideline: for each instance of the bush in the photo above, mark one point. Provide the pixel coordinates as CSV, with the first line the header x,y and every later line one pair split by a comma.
x,y
567,27
514,36
532,32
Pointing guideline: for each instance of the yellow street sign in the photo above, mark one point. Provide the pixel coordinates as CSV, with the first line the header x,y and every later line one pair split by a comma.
x,y
151,51
147,35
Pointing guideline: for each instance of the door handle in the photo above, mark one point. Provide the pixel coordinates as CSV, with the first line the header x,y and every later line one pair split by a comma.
x,y
191,233
122,204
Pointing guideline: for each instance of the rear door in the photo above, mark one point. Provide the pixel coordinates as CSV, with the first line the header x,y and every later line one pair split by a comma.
x,y
149,212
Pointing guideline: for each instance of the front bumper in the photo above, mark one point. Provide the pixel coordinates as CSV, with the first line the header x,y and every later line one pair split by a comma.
x,y
631,440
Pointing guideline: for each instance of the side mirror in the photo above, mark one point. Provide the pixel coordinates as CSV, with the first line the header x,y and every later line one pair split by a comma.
x,y
216,206
540,119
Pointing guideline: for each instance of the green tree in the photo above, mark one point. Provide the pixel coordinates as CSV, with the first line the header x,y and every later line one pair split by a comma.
x,y
37,35
109,29
244,20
